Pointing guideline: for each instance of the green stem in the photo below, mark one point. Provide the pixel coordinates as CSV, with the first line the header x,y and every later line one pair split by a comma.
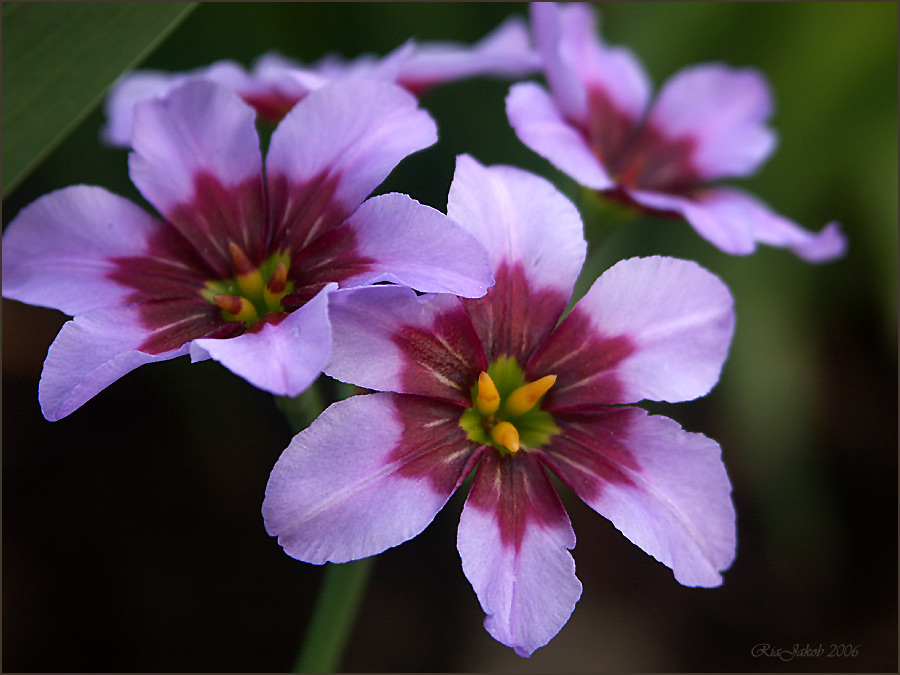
x,y
333,616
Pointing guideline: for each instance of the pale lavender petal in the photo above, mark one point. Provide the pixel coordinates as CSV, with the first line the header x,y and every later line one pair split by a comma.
x,y
664,488
667,326
389,339
723,111
125,93
513,536
568,91
504,52
417,246
519,218
91,352
200,129
342,139
715,217
773,229
540,125
533,235
282,358
59,250
615,71
370,473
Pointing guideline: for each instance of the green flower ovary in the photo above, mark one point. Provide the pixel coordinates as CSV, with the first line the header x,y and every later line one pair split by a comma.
x,y
534,426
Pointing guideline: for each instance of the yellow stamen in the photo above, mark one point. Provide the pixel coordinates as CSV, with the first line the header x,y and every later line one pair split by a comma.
x,y
525,397
276,288
507,435
488,399
239,308
249,279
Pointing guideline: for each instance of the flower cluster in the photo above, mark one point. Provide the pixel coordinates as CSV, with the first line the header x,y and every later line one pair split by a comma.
x,y
283,267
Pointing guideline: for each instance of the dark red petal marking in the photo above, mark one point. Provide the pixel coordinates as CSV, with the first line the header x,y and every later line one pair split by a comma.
x,y
433,447
638,155
442,360
609,130
301,213
219,214
591,449
584,362
170,268
176,321
271,106
516,492
513,319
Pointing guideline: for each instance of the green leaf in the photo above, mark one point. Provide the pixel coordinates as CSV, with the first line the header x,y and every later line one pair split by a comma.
x,y
59,58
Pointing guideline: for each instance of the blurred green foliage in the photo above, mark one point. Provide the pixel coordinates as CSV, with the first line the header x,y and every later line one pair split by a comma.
x,y
805,411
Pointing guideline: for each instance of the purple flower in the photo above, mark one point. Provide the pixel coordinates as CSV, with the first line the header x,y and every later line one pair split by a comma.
x,y
275,84
240,267
597,125
494,383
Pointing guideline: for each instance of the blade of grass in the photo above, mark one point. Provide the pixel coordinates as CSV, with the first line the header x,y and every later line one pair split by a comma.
x,y
59,58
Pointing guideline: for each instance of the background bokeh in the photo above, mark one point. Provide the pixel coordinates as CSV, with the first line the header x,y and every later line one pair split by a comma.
x,y
132,539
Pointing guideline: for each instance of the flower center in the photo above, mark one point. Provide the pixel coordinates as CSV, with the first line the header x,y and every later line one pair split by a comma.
x,y
253,292
505,411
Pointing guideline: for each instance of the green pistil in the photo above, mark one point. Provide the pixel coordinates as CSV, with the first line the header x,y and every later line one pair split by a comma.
x,y
252,292
534,426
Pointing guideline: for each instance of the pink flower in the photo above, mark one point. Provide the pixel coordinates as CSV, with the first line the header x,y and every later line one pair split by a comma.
x,y
275,84
240,266
494,383
597,125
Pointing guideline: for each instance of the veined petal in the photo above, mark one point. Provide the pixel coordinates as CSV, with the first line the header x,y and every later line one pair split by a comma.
x,y
504,52
533,236
196,159
664,488
513,536
649,328
540,125
389,339
370,473
335,147
723,110
91,352
417,246
64,251
282,358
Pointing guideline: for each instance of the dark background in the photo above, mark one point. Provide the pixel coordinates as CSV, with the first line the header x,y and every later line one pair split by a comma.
x,y
132,539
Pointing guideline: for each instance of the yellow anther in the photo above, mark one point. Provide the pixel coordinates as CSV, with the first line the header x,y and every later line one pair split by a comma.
x,y
525,397
507,435
249,279
276,288
488,399
239,308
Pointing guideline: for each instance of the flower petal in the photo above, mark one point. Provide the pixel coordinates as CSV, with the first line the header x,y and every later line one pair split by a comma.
x,y
282,358
196,159
664,488
504,52
540,125
389,339
568,91
63,251
513,536
533,235
370,473
125,93
335,147
649,328
417,246
91,352
723,110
